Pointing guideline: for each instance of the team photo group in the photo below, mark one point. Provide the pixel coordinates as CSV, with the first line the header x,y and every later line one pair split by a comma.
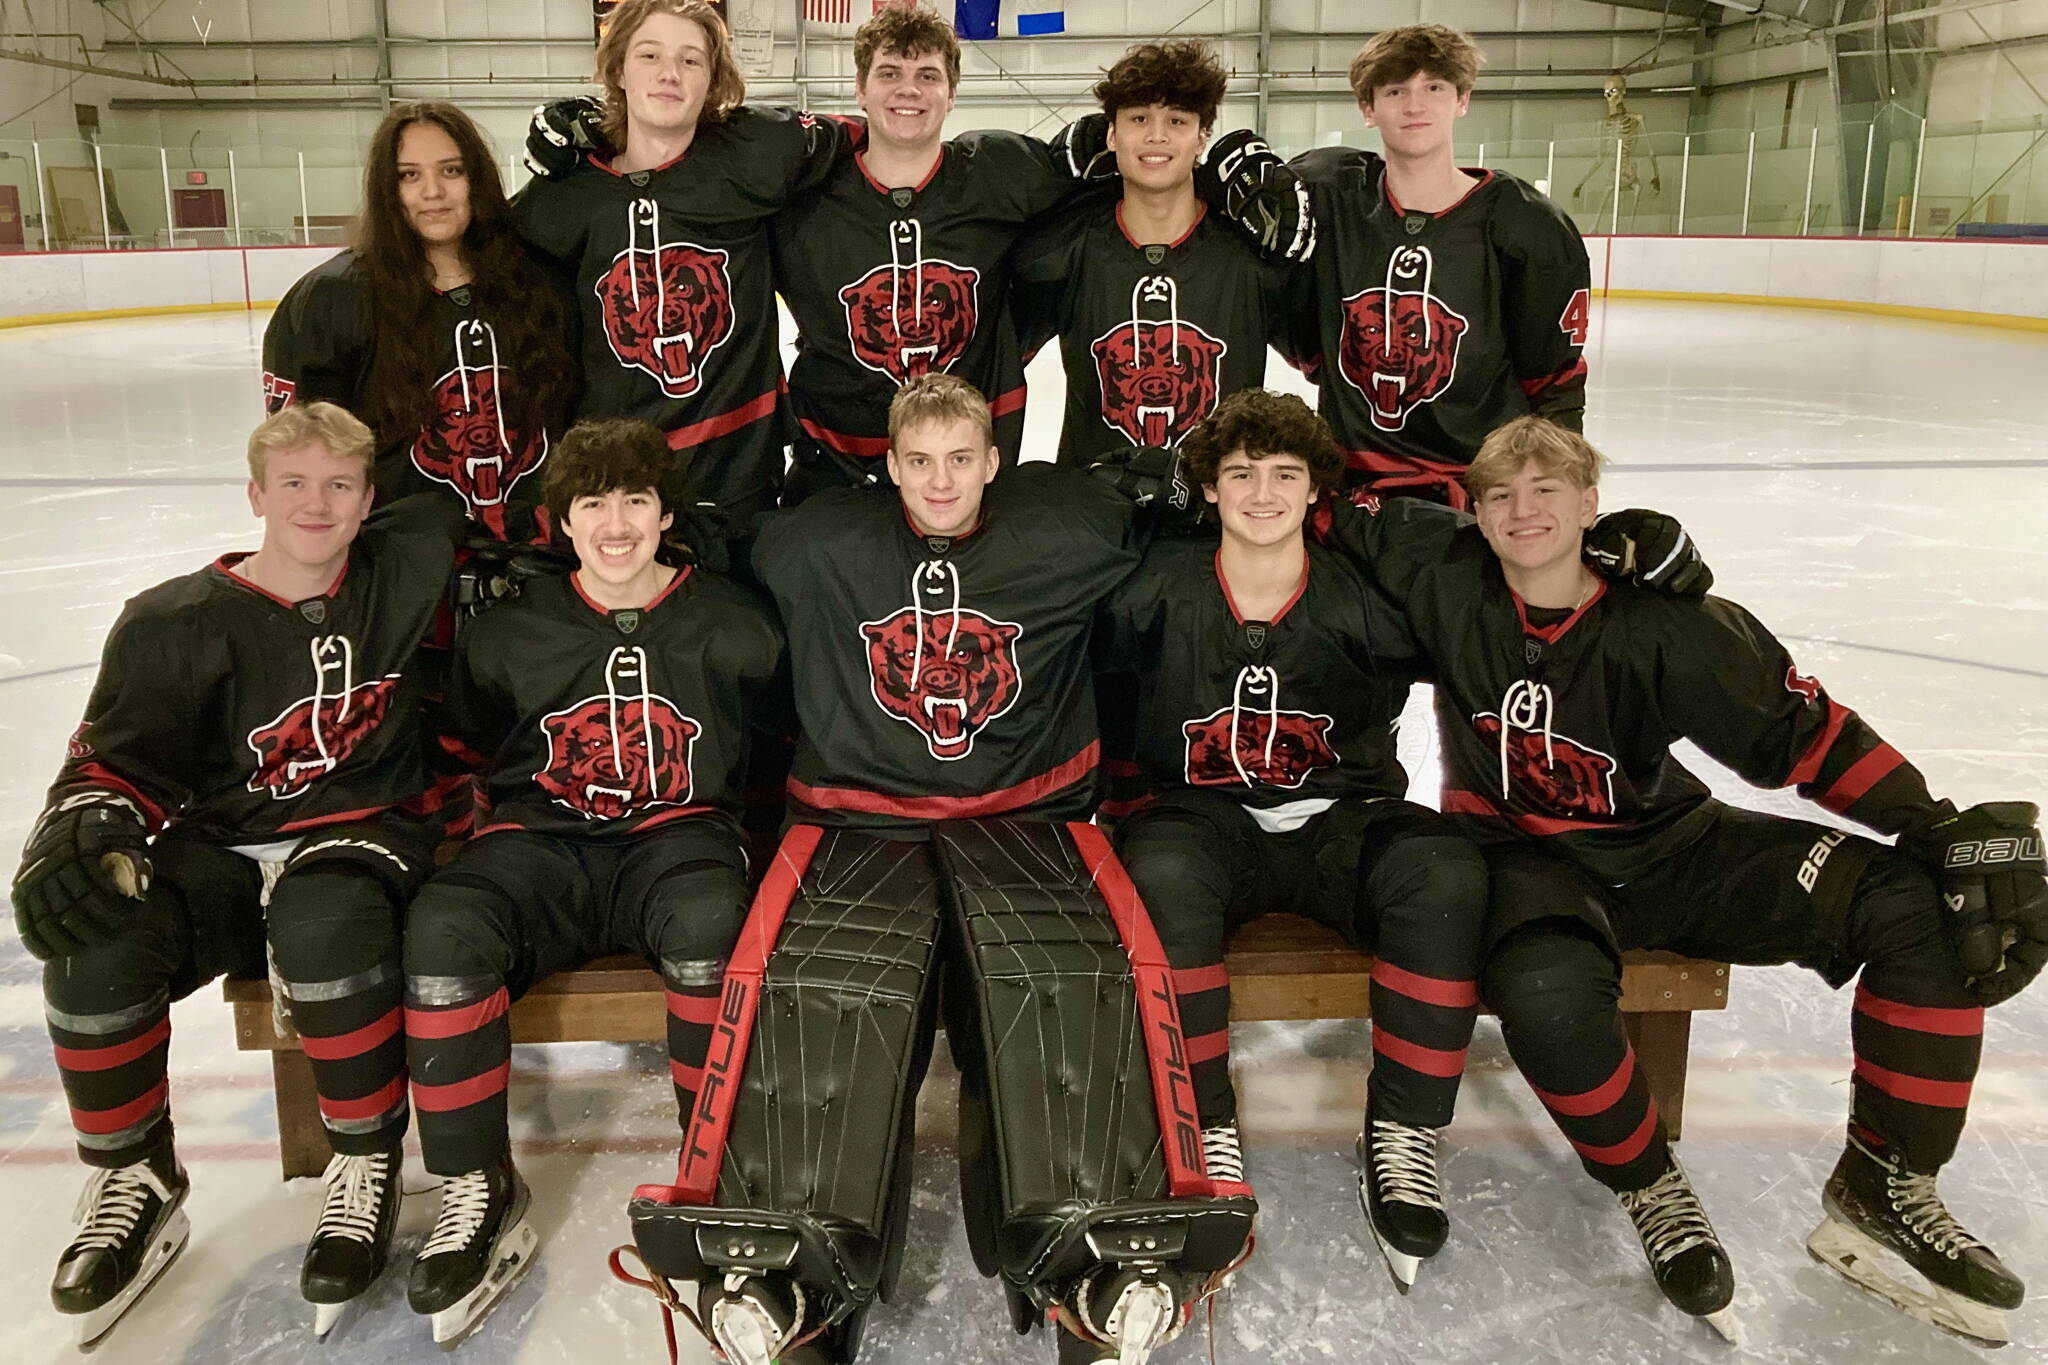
x,y
578,628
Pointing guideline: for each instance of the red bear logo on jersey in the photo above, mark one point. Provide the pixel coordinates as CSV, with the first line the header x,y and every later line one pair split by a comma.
x,y
1557,772
317,734
1217,757
611,757
906,321
1158,379
467,446
1400,347
666,308
946,673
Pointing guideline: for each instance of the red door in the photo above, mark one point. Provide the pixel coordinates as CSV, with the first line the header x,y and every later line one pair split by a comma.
x,y
13,235
200,208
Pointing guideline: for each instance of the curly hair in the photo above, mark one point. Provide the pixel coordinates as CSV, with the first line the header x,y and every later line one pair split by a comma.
x,y
906,33
728,83
596,457
1399,53
1184,74
1261,422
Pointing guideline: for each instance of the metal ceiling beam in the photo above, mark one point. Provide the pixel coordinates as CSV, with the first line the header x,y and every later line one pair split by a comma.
x,y
111,72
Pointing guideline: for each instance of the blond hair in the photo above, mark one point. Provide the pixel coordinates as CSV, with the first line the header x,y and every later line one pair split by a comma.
x,y
322,424
939,398
1554,450
1399,53
728,84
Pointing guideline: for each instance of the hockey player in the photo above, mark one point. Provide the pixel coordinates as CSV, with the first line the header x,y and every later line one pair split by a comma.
x,y
1271,675
436,328
250,769
668,242
605,713
1443,301
1558,696
1160,309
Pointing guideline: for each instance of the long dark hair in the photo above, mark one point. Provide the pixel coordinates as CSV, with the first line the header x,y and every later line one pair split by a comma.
x,y
511,292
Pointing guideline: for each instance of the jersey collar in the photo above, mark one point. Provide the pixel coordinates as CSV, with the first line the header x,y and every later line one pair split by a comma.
x,y
1201,212
1485,179
1550,635
1285,607
227,563
576,583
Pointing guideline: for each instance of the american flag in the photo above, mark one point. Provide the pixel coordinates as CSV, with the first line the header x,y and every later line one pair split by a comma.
x,y
829,11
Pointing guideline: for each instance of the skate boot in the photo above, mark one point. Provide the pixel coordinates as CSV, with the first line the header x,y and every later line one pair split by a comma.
x,y
1887,1231
1398,1189
480,1246
1130,1309
353,1236
1223,1153
131,1225
752,1318
1684,1254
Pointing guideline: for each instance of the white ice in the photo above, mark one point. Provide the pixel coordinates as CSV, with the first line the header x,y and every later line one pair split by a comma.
x,y
1872,489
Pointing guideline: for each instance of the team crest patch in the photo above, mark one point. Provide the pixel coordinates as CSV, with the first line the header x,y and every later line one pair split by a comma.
x,y
1160,374
1244,746
626,621
314,609
1414,223
915,315
1400,345
466,443
947,674
459,296
667,306
317,734
620,753
1554,770
1255,635
901,198
1532,649
1154,254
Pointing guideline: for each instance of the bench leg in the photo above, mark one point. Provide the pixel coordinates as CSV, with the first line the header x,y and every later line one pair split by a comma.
x,y
301,1140
1661,1040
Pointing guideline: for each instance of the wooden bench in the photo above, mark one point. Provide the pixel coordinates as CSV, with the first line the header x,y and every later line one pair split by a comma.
x,y
1281,967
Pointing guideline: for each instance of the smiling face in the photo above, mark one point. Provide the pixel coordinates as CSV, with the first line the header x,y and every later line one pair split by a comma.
x,y
940,469
616,535
433,184
1264,501
1415,117
312,502
665,77
1156,145
1536,521
906,99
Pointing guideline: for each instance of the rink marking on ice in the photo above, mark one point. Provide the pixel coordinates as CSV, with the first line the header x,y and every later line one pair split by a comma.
x,y
140,481
1915,654
1780,466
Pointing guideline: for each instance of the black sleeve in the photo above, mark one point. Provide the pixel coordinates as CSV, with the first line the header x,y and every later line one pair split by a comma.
x,y
1731,688
1021,176
140,722
797,149
1042,275
473,718
549,217
1393,541
1546,283
317,346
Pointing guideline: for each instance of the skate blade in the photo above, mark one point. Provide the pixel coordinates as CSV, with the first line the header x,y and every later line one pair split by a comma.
x,y
327,1316
1878,1270
513,1259
1727,1324
170,1240
1400,1265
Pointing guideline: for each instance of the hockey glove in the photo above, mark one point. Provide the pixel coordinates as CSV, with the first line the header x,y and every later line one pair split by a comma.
x,y
1241,175
86,859
1988,862
1152,478
1081,149
493,570
560,134
1648,548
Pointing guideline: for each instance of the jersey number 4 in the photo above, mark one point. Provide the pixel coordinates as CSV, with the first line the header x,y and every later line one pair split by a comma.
x,y
1577,315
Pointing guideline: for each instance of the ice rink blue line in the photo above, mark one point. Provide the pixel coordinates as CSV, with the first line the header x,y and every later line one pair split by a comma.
x,y
1772,466
1915,654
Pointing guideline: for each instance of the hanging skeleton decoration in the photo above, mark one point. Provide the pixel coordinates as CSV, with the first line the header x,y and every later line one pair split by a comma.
x,y
1622,136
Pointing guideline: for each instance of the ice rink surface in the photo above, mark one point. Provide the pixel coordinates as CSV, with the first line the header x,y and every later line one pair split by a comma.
x,y
1872,489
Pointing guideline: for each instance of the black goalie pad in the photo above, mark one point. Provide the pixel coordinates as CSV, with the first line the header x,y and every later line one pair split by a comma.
x,y
1060,1014
796,1161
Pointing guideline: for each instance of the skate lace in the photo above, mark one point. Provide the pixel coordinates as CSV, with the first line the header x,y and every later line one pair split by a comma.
x,y
112,1204
1668,1217
1920,1208
465,1200
355,1193
1404,1163
1222,1153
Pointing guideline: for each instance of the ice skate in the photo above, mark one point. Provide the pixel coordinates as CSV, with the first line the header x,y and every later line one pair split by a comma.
x,y
1223,1153
1131,1310
480,1247
353,1237
1886,1230
752,1318
131,1226
1400,1194
1685,1255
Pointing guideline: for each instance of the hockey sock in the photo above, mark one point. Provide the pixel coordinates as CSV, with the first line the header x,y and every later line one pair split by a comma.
x,y
1428,895
1421,1028
1914,1067
693,990
1202,994
113,1065
458,1042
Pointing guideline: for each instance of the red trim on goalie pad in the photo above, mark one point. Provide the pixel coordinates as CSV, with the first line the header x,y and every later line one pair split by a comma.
x,y
1173,1092
733,1028
1430,990
1967,1022
1590,1102
1915,1089
1430,1061
120,1054
1626,1150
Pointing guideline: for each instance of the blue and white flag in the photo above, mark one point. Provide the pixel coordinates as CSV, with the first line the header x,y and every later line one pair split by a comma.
x,y
1036,17
976,19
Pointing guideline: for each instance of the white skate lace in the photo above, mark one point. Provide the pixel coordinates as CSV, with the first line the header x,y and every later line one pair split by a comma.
x,y
355,1194
465,1201
1222,1153
1668,1217
112,1204
1404,1162
1919,1207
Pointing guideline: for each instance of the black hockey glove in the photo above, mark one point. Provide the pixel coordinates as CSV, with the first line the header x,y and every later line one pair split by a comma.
x,y
1988,863
1151,477
561,132
1239,174
1648,548
703,535
87,859
493,570
1081,149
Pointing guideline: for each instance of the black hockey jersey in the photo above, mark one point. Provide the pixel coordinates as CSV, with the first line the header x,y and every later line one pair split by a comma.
x,y
886,285
1277,713
675,291
599,723
1424,331
1152,336
318,348
1561,729
242,718
946,678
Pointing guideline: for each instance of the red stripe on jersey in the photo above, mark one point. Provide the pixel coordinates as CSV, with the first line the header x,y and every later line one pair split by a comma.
x,y
1626,1150
1430,990
120,1054
1967,1022
651,822
372,1106
354,1043
1025,793
711,428
1915,1089
1391,472
692,1009
99,775
439,1099
103,1121
1808,766
1574,371
1003,404
1601,1097
1472,803
1195,980
1430,1061
865,447
1865,773
452,1023
342,817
